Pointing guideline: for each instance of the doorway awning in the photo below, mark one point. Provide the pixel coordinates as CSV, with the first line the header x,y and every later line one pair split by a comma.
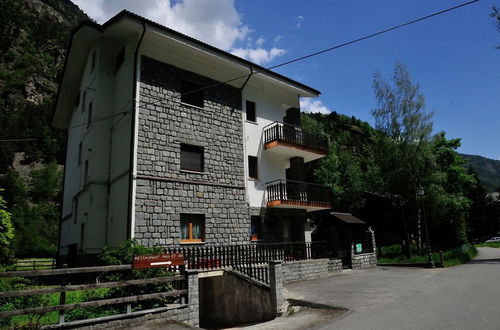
x,y
348,218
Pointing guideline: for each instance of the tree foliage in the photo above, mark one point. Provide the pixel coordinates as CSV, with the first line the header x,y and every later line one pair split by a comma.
x,y
34,206
6,233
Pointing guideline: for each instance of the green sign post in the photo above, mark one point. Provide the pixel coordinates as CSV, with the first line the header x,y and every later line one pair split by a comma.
x,y
359,248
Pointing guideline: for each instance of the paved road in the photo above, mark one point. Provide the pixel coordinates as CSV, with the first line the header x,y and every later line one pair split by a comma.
x,y
462,297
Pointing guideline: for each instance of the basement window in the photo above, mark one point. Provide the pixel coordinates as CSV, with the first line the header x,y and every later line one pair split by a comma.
x,y
192,228
192,94
192,158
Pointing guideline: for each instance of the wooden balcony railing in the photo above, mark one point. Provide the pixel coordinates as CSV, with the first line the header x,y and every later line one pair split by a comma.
x,y
296,193
289,135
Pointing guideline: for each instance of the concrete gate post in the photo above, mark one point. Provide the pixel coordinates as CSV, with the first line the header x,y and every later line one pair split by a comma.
x,y
193,298
276,285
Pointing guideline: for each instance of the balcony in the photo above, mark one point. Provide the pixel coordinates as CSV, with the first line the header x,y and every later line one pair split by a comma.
x,y
298,195
292,141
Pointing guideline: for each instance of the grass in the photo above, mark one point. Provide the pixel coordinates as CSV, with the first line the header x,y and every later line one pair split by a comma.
x,y
491,245
35,321
453,257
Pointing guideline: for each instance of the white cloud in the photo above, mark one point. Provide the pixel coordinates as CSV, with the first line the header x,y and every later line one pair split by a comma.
x,y
309,105
299,20
258,55
278,38
216,22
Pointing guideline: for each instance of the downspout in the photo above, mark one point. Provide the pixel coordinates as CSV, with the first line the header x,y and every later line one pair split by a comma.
x,y
132,136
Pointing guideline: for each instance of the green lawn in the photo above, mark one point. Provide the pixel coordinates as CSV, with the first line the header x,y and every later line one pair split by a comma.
x,y
393,255
491,245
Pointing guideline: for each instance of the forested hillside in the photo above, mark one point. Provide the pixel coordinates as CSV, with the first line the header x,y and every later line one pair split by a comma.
x,y
487,170
34,36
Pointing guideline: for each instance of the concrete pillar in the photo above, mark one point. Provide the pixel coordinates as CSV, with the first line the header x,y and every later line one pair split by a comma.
x,y
373,240
276,285
193,298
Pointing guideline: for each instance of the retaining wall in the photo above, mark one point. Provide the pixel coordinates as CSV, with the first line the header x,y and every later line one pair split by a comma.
x,y
309,269
362,261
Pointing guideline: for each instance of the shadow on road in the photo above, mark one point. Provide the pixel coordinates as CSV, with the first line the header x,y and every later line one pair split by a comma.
x,y
484,261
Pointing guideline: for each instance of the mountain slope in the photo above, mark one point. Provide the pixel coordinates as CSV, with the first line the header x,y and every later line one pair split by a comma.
x,y
34,35
488,170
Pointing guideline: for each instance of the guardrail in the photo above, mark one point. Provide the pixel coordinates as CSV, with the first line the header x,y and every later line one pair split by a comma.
x,y
301,193
289,134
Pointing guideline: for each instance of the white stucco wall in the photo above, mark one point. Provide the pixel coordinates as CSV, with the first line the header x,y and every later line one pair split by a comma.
x,y
270,106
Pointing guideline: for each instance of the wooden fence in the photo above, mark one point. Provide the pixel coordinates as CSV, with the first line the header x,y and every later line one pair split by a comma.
x,y
35,264
65,274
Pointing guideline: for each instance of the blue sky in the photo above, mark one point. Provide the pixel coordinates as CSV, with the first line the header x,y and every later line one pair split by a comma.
x,y
452,56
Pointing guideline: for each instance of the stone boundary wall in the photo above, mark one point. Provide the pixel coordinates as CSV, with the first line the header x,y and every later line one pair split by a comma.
x,y
180,314
309,269
363,261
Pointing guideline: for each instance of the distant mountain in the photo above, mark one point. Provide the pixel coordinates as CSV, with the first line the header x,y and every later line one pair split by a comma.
x,y
488,170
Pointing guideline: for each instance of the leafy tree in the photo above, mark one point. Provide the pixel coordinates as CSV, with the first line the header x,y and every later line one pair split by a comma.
x,y
495,13
6,233
404,151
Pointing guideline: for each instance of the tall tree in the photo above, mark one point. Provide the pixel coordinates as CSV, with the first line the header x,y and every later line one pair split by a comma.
x,y
404,151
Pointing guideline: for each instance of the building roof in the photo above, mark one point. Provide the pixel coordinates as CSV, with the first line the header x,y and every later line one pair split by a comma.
x,y
88,32
348,218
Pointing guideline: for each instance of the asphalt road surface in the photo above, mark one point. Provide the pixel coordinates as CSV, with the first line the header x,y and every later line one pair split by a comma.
x,y
462,297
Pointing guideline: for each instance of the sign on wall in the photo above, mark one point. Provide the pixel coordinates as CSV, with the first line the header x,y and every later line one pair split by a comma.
x,y
359,248
158,260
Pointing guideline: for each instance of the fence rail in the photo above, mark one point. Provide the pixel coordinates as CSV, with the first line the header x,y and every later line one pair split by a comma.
x,y
35,264
65,273
250,259
295,136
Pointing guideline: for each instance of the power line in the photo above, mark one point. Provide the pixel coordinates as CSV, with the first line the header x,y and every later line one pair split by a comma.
x,y
395,27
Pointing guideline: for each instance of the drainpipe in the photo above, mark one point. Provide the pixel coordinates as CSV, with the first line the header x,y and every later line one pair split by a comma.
x,y
132,135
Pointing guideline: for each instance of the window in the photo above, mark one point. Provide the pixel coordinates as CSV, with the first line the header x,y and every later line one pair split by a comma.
x,y
250,110
119,59
253,170
191,94
84,100
82,236
77,101
255,228
80,154
191,158
192,227
86,172
92,65
75,215
89,119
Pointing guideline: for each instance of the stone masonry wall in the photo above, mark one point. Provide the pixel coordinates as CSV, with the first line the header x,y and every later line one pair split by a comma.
x,y
362,261
164,191
309,269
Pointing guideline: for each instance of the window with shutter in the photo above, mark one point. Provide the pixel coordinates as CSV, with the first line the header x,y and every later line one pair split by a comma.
x,y
191,158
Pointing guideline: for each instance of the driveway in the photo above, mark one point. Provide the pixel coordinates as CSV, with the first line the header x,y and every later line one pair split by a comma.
x,y
462,297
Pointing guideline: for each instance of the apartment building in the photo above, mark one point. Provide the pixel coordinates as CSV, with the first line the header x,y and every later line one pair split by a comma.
x,y
172,141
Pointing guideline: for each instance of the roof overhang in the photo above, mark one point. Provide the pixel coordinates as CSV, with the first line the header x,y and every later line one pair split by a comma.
x,y
203,59
348,218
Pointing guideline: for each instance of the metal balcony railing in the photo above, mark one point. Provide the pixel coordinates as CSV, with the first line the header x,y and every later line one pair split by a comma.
x,y
294,136
298,193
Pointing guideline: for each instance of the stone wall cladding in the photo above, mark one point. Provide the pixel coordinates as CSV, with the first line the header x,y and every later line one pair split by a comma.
x,y
180,314
164,124
309,269
363,261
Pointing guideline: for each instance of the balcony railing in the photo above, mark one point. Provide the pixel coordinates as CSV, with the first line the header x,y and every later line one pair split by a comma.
x,y
287,193
289,135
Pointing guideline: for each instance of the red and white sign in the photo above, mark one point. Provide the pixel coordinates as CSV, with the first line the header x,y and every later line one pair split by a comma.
x,y
158,260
